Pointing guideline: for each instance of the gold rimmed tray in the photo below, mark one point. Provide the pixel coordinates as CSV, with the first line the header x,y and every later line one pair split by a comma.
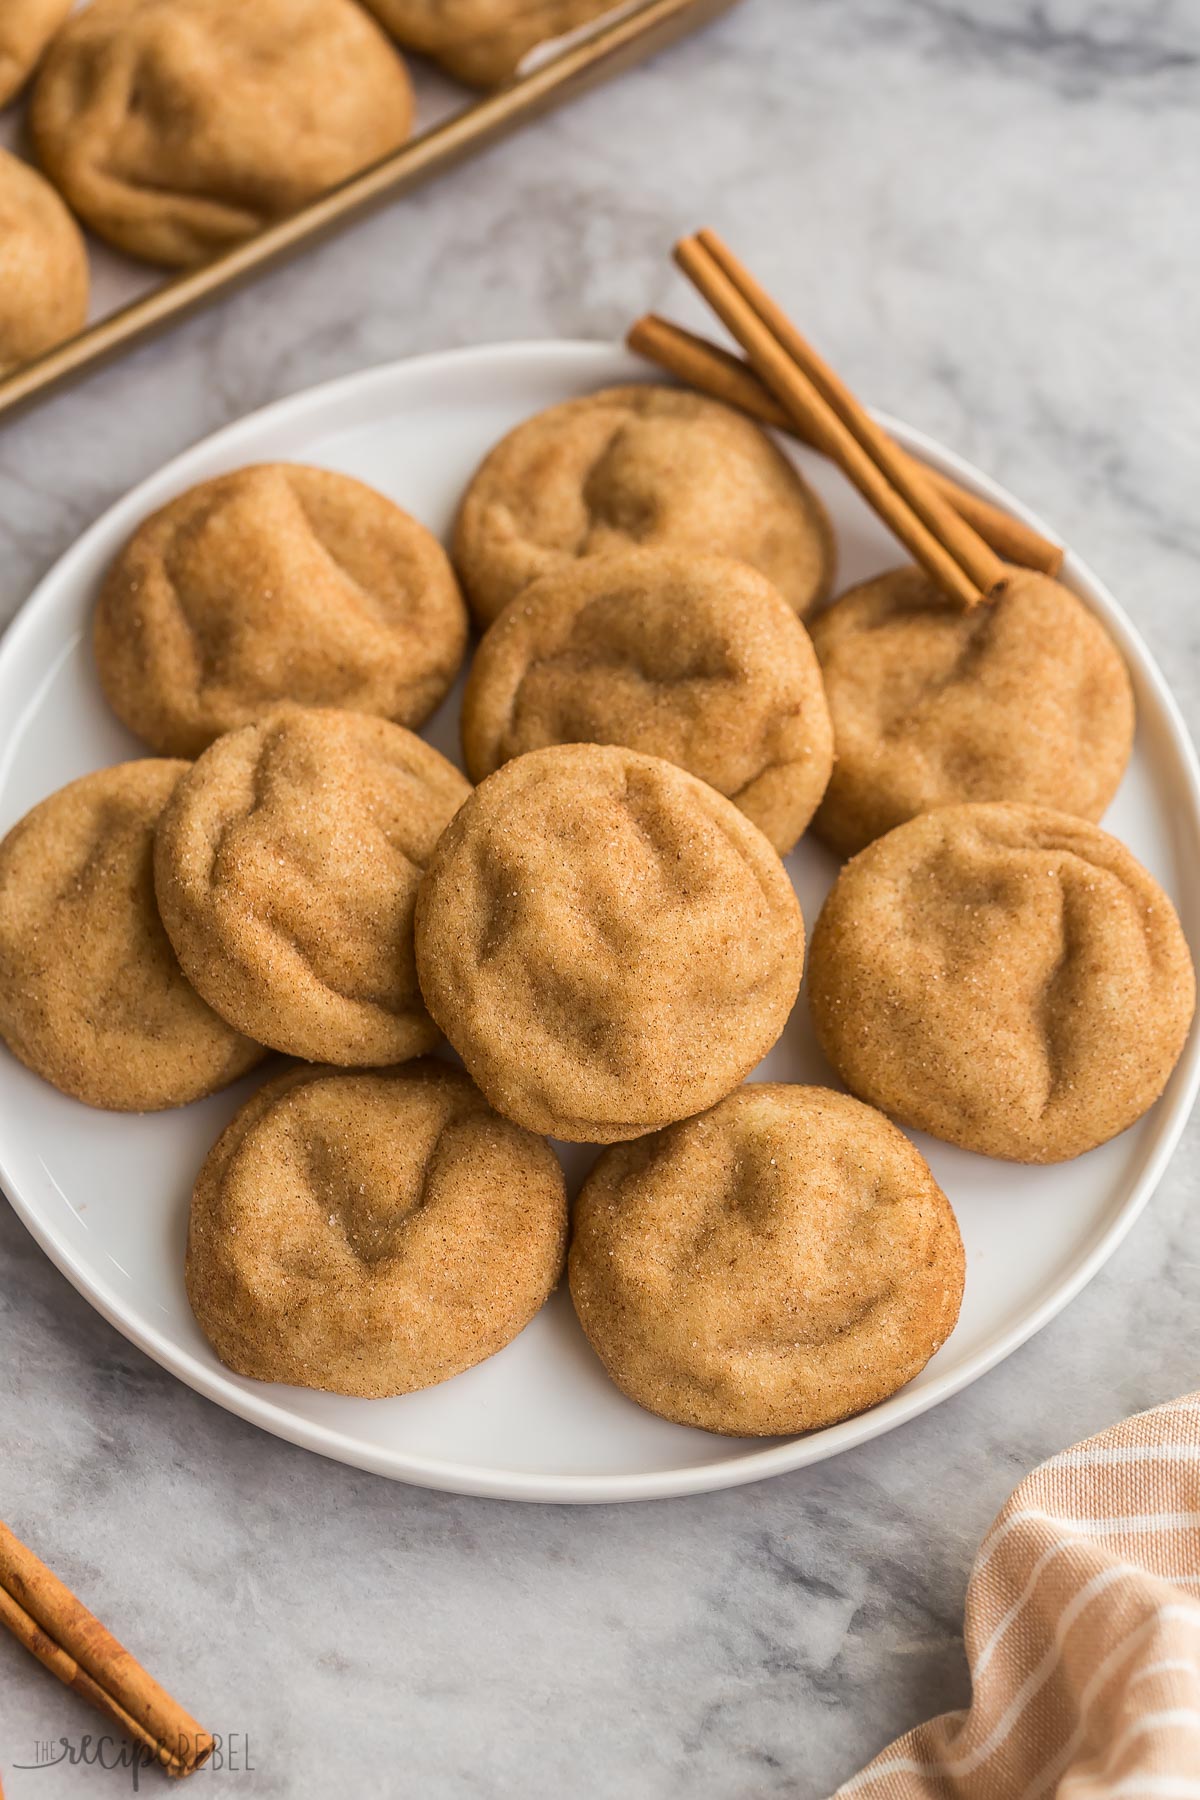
x,y
618,41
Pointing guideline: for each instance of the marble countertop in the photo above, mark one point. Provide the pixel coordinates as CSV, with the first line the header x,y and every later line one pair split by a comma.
x,y
984,213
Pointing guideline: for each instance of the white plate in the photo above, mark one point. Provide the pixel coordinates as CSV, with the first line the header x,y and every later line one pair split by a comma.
x,y
106,1195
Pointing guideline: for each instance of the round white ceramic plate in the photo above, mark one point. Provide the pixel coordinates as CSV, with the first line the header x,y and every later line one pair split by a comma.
x,y
106,1195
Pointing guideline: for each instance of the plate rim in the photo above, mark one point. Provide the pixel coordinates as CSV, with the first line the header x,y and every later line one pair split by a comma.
x,y
778,1457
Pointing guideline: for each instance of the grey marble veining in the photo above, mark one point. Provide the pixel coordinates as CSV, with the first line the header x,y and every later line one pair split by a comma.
x,y
985,212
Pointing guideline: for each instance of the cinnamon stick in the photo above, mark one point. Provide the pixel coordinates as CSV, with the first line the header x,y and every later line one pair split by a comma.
x,y
954,555
977,560
723,376
57,1628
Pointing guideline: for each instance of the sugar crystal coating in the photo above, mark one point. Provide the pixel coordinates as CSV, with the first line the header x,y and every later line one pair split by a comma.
x,y
777,1264
286,869
371,1233
1025,698
1005,977
608,943
92,996
695,659
638,467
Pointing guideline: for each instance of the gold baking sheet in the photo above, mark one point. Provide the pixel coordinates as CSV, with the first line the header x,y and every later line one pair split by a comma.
x,y
618,41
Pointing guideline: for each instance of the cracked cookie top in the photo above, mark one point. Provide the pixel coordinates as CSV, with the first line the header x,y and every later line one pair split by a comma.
x,y
92,997
777,1264
638,467
608,943
286,868
1005,977
371,1234
695,659
1025,698
276,582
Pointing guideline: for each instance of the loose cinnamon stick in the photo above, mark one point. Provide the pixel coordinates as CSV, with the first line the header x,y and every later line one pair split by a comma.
x,y
51,1656
723,376
57,1628
946,547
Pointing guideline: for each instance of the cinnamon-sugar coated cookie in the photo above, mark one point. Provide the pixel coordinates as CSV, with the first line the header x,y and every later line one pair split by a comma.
x,y
1025,698
286,868
608,943
482,41
371,1234
1005,977
276,582
178,128
641,466
772,1266
43,266
26,27
91,995
695,659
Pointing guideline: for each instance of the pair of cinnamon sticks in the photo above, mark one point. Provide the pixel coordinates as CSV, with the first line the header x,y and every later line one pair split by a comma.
x,y
963,542
47,1618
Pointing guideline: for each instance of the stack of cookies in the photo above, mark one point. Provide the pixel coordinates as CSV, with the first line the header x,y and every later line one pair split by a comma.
x,y
602,928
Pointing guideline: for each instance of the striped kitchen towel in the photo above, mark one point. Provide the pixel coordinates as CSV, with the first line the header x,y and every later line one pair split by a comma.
x,y
1083,1635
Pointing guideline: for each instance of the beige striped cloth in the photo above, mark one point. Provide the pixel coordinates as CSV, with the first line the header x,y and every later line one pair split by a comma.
x,y
1082,1632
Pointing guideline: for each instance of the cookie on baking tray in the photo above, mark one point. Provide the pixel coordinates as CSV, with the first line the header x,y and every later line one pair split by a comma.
x,y
275,582
695,659
286,868
777,1264
1005,977
482,41
178,128
608,943
372,1233
26,27
43,266
1025,698
92,997
638,467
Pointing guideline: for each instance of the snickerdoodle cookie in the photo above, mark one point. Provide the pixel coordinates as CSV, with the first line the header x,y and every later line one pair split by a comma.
x,y
1025,698
26,27
692,658
276,582
43,266
1005,977
91,995
775,1265
373,1233
482,41
608,943
643,466
177,128
286,867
